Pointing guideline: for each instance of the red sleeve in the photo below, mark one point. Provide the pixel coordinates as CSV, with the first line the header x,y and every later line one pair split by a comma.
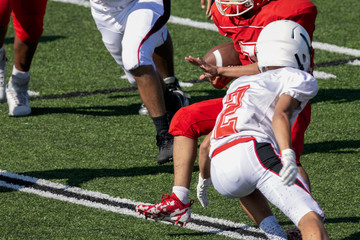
x,y
217,17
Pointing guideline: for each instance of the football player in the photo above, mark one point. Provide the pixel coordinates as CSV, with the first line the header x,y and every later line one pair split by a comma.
x,y
242,21
28,20
131,31
253,128
251,140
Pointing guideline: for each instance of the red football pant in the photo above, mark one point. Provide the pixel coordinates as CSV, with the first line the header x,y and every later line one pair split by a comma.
x,y
199,119
28,17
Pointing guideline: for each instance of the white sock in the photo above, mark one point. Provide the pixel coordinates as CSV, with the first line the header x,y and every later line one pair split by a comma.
x,y
20,74
182,193
272,229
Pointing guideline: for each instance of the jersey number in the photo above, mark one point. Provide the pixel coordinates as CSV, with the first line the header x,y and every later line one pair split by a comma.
x,y
226,124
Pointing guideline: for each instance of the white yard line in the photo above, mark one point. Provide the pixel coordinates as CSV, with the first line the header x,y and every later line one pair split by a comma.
x,y
122,206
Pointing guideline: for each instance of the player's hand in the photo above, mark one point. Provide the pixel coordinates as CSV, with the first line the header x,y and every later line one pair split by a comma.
x,y
289,171
209,69
201,190
208,7
220,82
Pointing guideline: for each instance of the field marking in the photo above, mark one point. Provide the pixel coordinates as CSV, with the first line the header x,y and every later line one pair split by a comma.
x,y
355,62
122,206
323,75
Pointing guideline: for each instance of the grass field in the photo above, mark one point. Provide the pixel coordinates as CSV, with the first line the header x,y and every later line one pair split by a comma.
x,y
85,132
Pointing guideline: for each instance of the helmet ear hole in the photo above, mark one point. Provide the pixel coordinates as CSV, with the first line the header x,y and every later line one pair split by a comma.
x,y
304,57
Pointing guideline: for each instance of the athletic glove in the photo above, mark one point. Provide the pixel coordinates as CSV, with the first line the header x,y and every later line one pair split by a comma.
x,y
201,189
288,172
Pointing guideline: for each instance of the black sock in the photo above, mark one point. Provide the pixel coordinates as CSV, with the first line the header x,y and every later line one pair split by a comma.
x,y
161,124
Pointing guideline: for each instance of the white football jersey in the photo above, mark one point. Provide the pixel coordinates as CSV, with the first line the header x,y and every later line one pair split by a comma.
x,y
249,104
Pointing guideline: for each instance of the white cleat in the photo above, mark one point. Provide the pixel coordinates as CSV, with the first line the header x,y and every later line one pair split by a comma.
x,y
143,110
17,96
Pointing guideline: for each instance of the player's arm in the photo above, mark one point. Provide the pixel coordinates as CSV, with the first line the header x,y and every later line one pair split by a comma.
x,y
211,71
204,180
238,71
282,129
281,120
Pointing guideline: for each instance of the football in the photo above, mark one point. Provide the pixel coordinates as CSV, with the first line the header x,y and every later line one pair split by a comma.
x,y
222,55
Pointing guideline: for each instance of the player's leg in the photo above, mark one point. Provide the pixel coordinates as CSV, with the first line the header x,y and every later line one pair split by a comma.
x,y
255,204
294,201
145,30
28,19
150,89
234,174
163,57
5,12
297,203
256,207
185,150
164,60
312,227
188,124
176,207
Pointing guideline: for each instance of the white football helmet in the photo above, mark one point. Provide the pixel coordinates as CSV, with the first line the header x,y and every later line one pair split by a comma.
x,y
233,8
284,43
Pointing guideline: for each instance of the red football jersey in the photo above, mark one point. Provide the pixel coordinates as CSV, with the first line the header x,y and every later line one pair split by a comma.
x,y
244,32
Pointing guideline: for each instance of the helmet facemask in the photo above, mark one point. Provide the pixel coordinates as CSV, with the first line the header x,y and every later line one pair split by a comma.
x,y
232,8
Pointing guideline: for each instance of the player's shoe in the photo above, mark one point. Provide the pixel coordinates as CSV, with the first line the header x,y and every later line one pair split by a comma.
x,y
182,99
165,143
143,110
17,96
2,78
170,209
173,85
294,234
